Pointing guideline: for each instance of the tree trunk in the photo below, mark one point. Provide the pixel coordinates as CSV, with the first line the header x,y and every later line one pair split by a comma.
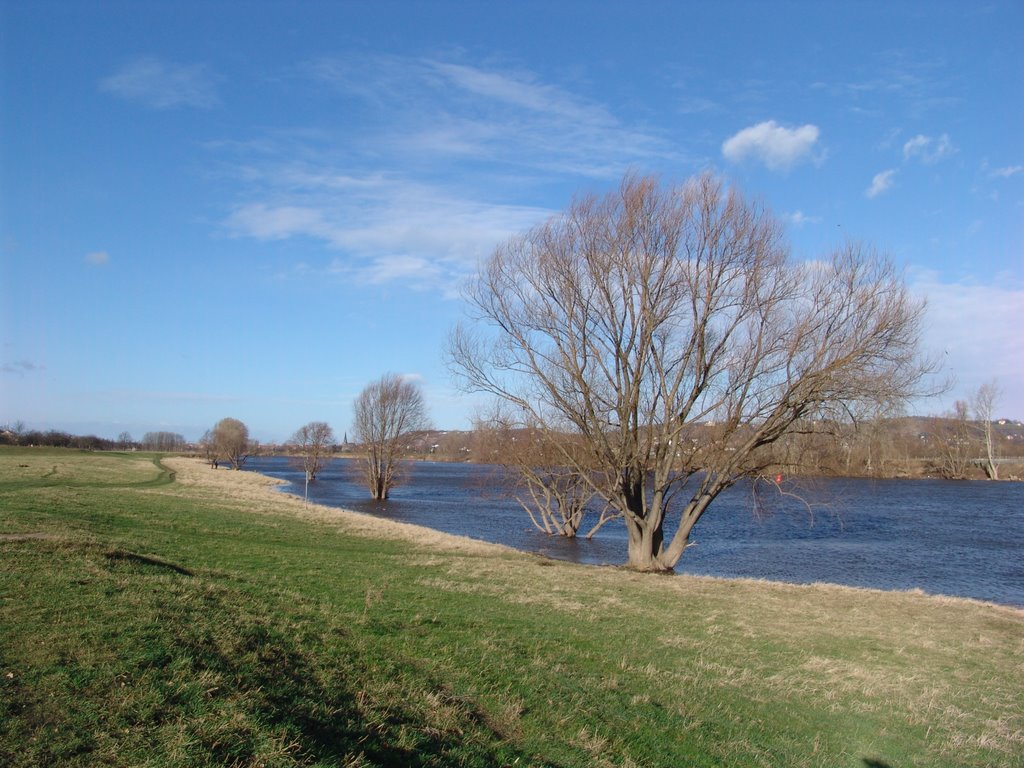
x,y
690,515
645,539
380,488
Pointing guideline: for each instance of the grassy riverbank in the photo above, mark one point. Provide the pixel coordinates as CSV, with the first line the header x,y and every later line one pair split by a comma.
x,y
199,618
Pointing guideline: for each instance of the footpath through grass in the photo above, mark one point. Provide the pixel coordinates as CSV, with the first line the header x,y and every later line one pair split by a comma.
x,y
200,618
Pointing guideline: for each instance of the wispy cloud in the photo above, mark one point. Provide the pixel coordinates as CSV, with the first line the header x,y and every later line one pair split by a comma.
x,y
799,218
97,258
409,191
927,149
697,105
777,147
918,85
163,85
520,90
386,228
417,270
428,109
268,222
1007,171
21,367
881,182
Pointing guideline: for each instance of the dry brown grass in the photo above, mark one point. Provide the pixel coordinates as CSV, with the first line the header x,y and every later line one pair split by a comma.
x,y
260,494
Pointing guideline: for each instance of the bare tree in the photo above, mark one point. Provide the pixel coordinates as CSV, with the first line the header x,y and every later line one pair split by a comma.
x,y
386,411
629,319
312,443
554,494
230,441
208,449
955,442
163,441
984,406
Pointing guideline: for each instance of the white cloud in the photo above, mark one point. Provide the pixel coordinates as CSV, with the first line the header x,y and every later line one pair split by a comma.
x,y
415,271
97,258
268,222
1008,171
975,328
880,183
927,149
389,228
777,147
163,85
799,218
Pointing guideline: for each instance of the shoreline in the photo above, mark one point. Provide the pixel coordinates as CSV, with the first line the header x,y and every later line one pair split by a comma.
x,y
267,492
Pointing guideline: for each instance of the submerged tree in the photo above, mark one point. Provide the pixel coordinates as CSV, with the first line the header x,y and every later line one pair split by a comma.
x,y
385,412
629,319
312,444
554,494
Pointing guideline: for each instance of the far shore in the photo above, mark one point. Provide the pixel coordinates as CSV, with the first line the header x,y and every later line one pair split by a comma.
x,y
916,470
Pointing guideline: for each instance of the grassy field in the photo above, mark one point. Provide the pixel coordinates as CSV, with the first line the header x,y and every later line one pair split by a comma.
x,y
154,612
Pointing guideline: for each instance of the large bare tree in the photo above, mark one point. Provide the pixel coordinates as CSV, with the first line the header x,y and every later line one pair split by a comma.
x,y
385,412
312,445
631,318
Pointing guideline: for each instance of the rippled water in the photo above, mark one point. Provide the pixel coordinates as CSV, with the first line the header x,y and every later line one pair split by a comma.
x,y
954,538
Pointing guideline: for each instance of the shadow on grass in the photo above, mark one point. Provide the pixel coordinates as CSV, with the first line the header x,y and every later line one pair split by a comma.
x,y
145,560
870,762
170,661
364,706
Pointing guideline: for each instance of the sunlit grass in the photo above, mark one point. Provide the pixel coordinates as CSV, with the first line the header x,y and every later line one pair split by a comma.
x,y
213,621
57,466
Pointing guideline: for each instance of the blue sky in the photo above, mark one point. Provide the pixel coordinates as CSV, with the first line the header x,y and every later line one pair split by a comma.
x,y
254,209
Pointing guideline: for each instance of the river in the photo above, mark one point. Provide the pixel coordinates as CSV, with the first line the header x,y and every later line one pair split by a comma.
x,y
963,538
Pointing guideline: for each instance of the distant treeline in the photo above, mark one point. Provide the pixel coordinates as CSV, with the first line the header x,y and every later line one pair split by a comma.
x,y
898,447
56,439
53,438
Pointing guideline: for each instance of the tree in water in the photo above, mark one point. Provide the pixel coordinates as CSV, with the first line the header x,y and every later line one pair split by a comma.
x,y
312,445
385,413
555,495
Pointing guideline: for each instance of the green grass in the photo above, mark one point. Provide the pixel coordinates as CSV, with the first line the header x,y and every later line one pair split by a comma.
x,y
148,620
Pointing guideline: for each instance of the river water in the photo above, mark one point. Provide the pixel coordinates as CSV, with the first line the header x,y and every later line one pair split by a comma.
x,y
963,538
